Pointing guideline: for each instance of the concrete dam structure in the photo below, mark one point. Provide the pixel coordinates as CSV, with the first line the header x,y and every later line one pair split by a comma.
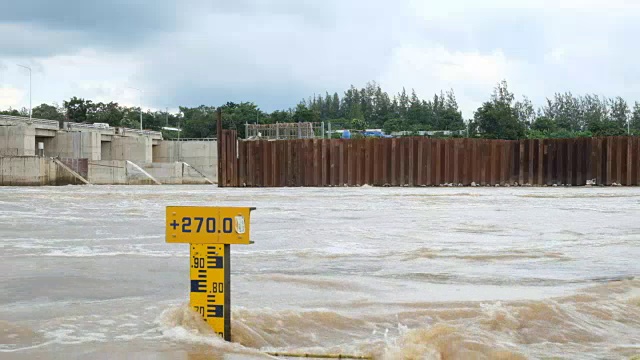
x,y
47,152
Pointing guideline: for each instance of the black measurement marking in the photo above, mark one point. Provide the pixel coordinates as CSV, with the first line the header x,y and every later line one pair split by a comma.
x,y
215,311
214,262
198,286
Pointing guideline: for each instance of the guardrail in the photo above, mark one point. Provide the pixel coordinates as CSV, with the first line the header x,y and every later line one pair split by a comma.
x,y
53,125
193,139
76,126
49,124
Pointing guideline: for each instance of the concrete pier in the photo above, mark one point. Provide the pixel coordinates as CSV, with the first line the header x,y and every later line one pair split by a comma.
x,y
101,155
17,140
201,154
34,171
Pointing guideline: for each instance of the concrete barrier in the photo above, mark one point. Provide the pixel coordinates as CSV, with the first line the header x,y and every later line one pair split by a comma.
x,y
176,173
166,173
191,175
118,172
17,141
138,176
200,154
74,145
34,171
107,172
136,149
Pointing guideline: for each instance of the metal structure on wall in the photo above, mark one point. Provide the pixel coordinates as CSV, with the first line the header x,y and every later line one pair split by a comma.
x,y
417,161
285,131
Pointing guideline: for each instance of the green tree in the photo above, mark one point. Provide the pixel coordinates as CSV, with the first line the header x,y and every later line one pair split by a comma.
x,y
544,124
46,111
619,112
15,112
110,113
635,117
595,113
526,112
358,124
281,117
565,111
392,125
497,118
199,122
76,109
304,114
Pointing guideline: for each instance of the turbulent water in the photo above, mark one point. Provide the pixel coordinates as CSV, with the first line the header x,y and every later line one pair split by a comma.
x,y
424,273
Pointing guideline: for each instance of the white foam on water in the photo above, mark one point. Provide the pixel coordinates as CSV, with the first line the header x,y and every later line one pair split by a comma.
x,y
75,336
181,324
88,252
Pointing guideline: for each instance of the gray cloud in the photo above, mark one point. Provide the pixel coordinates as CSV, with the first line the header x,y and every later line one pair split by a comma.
x,y
276,52
113,16
274,60
45,27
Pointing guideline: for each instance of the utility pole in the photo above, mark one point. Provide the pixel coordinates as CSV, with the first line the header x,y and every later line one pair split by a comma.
x,y
28,68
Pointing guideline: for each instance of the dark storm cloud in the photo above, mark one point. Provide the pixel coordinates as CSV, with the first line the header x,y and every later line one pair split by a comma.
x,y
118,17
47,27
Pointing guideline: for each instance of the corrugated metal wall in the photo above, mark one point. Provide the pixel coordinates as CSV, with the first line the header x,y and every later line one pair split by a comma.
x,y
419,161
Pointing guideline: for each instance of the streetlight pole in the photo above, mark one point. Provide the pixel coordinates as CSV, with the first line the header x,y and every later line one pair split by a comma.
x,y
28,68
140,99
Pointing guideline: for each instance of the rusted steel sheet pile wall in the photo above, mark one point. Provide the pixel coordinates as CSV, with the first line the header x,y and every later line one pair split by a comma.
x,y
228,158
430,162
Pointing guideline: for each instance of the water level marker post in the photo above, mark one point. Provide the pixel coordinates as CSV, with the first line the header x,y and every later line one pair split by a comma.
x,y
210,231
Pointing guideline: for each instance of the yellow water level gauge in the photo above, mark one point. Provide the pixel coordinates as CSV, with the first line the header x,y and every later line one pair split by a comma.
x,y
209,232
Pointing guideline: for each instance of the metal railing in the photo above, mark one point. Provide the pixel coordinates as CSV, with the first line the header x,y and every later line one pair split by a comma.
x,y
54,125
193,139
123,131
15,120
92,127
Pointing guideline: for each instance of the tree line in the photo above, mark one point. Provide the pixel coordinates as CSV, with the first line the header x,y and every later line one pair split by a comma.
x,y
500,117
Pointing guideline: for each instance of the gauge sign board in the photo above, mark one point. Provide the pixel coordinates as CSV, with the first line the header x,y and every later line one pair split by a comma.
x,y
210,295
208,225
209,231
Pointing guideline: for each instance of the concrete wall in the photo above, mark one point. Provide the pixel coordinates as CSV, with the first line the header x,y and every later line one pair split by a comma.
x,y
191,176
136,149
203,155
116,172
175,173
166,173
74,145
107,172
33,171
138,176
17,141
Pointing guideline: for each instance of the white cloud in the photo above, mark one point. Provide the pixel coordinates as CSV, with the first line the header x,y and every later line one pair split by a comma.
x,y
429,70
10,97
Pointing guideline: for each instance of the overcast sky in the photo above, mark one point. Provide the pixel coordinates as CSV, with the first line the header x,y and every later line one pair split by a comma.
x,y
274,53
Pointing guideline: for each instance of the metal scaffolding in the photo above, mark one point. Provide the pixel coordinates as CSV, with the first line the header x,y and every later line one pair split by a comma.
x,y
285,131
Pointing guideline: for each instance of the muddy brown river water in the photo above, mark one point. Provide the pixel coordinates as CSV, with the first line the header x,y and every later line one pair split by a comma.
x,y
398,273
